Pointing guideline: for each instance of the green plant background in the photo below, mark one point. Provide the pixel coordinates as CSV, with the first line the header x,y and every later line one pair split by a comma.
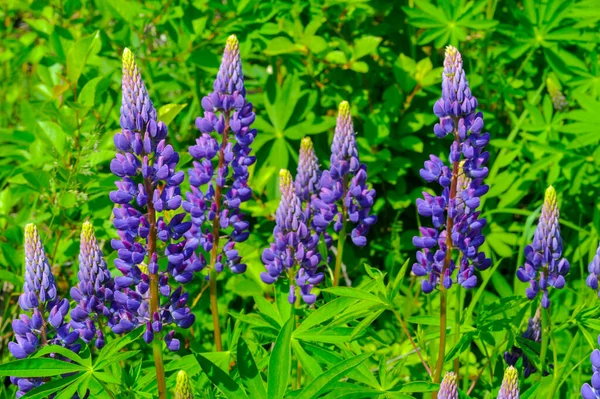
x,y
60,73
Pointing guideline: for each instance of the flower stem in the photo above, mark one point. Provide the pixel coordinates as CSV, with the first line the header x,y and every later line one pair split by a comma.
x,y
341,238
340,251
154,294
457,331
443,292
160,369
412,342
214,308
545,338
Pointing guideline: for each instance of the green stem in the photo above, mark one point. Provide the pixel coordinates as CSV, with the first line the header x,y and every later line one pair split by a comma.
x,y
160,368
545,339
214,309
556,380
457,330
340,249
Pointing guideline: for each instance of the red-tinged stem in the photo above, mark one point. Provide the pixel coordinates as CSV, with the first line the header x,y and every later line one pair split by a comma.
x,y
154,294
443,292
214,307
412,342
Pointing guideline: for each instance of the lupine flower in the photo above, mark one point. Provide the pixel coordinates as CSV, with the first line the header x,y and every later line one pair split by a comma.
x,y
559,101
454,212
593,391
44,324
149,185
594,270
544,265
308,175
308,185
532,333
294,250
94,293
510,384
183,389
448,389
216,194
344,194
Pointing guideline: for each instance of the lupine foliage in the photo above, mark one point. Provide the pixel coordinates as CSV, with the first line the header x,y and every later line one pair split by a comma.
x,y
194,124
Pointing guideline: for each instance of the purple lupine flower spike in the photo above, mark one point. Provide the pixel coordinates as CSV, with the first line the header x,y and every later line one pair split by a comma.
x,y
218,189
510,384
146,209
593,391
448,389
594,270
544,265
294,250
308,176
454,212
39,286
94,292
344,194
44,324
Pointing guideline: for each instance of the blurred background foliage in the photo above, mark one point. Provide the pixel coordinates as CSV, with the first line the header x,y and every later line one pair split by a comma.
x,y
60,72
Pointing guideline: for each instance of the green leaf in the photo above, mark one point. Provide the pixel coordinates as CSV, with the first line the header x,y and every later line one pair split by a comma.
x,y
280,364
360,67
419,386
336,57
87,97
309,364
69,354
79,53
394,286
325,380
249,373
280,45
39,367
352,292
365,45
59,384
326,312
53,134
220,379
168,112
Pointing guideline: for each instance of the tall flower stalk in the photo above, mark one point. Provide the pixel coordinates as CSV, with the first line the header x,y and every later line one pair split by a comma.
x,y
94,293
293,254
216,194
345,199
146,202
544,265
454,215
43,322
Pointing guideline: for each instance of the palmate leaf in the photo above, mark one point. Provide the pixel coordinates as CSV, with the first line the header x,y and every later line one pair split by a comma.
x,y
448,22
221,379
323,383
